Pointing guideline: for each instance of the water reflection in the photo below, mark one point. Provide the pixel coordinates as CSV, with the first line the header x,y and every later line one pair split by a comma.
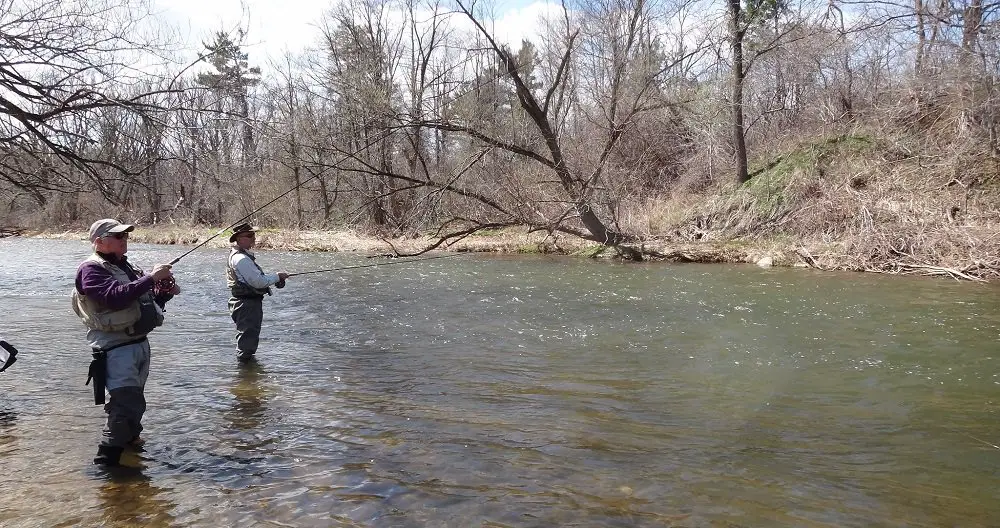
x,y
129,498
248,415
8,419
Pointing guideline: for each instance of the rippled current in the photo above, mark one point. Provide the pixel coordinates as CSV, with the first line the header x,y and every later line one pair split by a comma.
x,y
515,391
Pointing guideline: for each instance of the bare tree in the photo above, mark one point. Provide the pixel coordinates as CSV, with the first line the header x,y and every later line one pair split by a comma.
x,y
508,127
766,25
62,61
623,76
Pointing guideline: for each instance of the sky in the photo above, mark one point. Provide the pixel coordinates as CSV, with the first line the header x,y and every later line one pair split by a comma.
x,y
277,26
274,26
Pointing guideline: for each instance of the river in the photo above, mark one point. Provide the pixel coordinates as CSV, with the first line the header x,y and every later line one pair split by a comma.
x,y
515,391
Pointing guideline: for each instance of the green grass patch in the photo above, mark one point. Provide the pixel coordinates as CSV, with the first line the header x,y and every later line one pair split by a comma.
x,y
529,249
767,190
808,157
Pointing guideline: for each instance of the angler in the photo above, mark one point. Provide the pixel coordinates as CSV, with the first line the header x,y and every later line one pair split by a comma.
x,y
248,284
119,305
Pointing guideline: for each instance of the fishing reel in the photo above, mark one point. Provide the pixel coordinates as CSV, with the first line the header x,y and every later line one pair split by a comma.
x,y
164,286
280,284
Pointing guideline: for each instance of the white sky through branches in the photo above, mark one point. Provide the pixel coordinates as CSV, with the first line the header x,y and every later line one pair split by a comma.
x,y
276,26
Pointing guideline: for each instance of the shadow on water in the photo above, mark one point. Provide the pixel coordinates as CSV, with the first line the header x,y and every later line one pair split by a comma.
x,y
8,420
248,412
129,498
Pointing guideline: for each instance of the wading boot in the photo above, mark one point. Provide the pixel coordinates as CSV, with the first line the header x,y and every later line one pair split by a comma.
x,y
108,456
136,444
246,359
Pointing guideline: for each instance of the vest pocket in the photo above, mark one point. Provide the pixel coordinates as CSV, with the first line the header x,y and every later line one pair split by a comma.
x,y
96,317
150,316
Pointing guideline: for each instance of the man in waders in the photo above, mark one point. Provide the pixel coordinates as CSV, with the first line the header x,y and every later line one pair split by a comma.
x,y
248,284
119,305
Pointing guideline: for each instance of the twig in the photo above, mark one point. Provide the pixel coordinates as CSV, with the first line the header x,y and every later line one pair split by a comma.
x,y
807,257
940,270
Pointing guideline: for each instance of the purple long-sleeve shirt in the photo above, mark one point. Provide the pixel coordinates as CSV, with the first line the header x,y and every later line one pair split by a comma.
x,y
99,284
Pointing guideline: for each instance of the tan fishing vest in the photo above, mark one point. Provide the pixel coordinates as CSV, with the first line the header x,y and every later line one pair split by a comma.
x,y
96,316
238,288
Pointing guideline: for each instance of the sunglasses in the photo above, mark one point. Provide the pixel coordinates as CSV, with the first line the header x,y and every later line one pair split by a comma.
x,y
119,236
248,235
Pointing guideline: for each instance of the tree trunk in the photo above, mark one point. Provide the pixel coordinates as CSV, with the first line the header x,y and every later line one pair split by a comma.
x,y
918,9
973,21
739,134
246,130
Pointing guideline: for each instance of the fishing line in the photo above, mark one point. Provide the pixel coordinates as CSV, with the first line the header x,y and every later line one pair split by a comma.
x,y
240,221
980,440
280,196
377,264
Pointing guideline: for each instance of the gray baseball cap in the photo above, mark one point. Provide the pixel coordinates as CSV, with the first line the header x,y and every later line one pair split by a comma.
x,y
108,226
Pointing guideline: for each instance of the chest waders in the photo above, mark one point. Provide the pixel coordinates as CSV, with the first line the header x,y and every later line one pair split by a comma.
x,y
135,321
98,370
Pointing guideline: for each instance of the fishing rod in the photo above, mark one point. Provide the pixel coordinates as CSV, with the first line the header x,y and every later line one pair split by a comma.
x,y
377,264
280,196
240,221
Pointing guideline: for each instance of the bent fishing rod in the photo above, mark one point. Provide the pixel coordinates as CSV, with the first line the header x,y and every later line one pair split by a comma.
x,y
240,221
375,265
280,196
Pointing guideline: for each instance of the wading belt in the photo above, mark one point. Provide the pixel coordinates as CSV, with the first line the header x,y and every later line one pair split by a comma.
x,y
249,297
99,369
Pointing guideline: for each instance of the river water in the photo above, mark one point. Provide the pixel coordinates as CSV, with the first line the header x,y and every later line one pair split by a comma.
x,y
515,391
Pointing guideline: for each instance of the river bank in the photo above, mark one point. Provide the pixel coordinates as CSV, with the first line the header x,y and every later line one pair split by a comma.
x,y
761,252
884,200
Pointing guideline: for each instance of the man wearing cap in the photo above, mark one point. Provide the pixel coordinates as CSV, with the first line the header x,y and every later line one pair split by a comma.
x,y
119,305
248,284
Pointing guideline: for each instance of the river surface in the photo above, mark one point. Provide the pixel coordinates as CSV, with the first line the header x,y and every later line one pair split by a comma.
x,y
517,391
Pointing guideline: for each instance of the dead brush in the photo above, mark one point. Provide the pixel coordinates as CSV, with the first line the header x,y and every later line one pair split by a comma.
x,y
908,218
890,200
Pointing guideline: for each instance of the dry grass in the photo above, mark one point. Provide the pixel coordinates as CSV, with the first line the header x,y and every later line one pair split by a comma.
x,y
892,198
856,202
832,209
508,241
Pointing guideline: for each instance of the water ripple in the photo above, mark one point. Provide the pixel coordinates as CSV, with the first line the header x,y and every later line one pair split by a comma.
x,y
515,391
